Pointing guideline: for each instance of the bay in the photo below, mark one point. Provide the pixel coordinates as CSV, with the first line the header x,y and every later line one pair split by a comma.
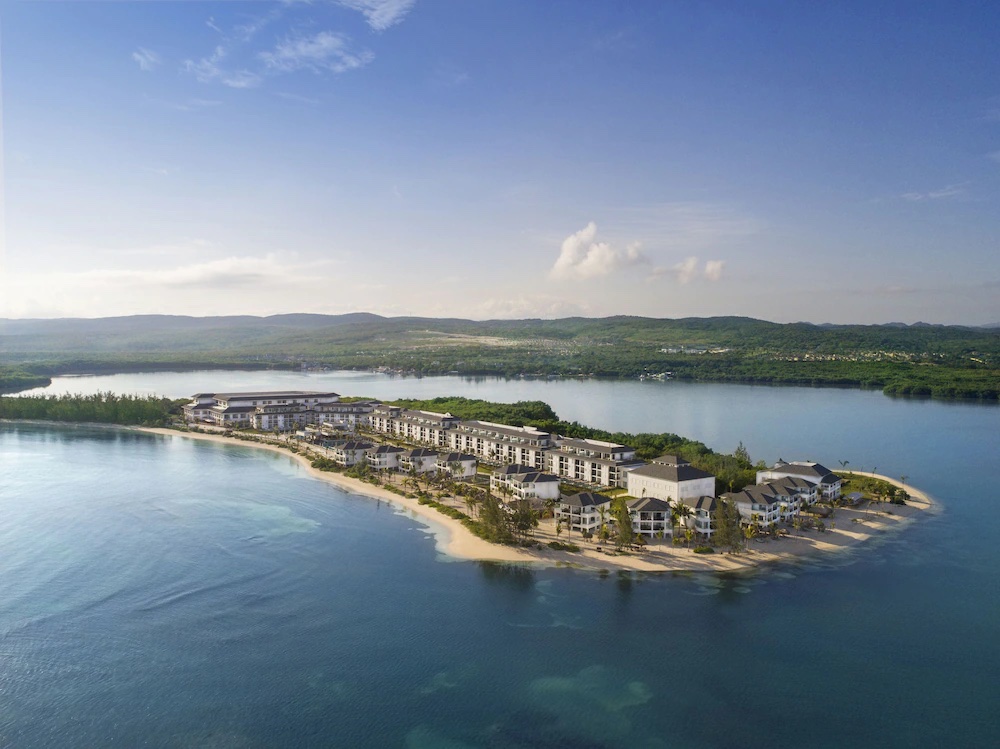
x,y
160,592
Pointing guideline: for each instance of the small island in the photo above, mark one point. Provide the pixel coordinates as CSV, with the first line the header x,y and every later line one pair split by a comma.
x,y
522,493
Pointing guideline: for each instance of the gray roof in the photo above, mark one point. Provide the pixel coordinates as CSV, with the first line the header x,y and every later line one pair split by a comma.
x,y
649,504
532,477
513,468
421,452
386,449
807,468
273,394
455,457
671,459
705,503
351,445
675,473
584,499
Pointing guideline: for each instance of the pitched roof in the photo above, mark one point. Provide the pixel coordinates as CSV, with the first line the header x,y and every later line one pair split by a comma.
x,y
675,473
421,452
672,459
455,457
584,499
806,468
704,503
649,504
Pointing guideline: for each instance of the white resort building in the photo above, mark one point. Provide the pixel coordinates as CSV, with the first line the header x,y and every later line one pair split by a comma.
x,y
670,477
421,427
592,461
650,516
457,465
524,482
418,460
499,443
281,410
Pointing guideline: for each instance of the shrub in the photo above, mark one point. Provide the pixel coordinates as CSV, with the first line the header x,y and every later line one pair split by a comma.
x,y
561,546
704,550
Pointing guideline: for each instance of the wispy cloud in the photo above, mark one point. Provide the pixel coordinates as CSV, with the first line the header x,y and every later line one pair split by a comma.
x,y
325,50
209,70
949,191
189,105
146,59
580,257
690,269
380,14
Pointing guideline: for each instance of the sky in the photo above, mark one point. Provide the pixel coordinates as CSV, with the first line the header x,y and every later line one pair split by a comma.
x,y
828,162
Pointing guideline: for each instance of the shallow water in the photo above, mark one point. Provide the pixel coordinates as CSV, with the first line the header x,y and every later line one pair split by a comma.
x,y
156,591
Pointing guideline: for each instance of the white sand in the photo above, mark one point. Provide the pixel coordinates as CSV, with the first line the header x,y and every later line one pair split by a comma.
x,y
849,527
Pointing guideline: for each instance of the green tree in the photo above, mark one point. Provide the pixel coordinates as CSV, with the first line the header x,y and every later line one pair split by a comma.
x,y
624,533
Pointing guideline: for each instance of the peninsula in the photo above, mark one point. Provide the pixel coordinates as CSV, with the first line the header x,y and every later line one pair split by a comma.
x,y
510,493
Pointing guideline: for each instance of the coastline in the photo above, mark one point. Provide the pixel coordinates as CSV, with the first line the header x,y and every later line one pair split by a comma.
x,y
850,528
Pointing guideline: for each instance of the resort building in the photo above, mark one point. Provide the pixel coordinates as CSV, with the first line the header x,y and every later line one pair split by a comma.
x,y
385,457
498,443
583,512
418,460
268,410
457,465
757,505
702,517
524,482
420,427
592,461
650,516
829,483
349,453
670,477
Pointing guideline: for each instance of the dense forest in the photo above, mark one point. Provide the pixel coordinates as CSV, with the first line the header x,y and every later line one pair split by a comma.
x,y
99,408
917,360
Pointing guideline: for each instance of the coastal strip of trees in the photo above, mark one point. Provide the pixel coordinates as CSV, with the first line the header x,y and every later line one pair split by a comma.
x,y
16,380
97,408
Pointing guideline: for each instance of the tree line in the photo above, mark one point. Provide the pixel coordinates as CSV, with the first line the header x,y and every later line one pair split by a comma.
x,y
99,408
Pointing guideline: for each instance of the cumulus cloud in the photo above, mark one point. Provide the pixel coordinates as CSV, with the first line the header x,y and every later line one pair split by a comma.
x,y
582,258
146,59
380,14
326,50
713,269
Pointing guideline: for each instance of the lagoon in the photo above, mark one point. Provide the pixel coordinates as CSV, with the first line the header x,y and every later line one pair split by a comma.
x,y
164,592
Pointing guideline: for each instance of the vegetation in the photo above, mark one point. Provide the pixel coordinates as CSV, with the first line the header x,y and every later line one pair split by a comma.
x,y
16,380
563,546
728,532
915,360
99,408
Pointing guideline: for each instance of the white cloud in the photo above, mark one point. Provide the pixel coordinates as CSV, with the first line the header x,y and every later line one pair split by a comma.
x,y
146,59
380,14
209,70
323,51
949,191
690,269
713,269
582,258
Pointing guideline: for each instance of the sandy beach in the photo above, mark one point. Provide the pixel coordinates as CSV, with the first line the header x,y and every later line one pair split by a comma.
x,y
848,528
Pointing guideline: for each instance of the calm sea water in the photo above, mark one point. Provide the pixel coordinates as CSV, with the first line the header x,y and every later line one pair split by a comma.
x,y
156,591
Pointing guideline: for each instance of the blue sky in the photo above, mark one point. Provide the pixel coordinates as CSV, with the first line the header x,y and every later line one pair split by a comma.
x,y
502,158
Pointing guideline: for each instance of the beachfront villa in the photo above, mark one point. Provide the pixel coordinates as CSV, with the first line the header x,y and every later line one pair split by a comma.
x,y
670,477
829,483
651,517
385,457
349,453
583,511
418,460
702,517
524,482
457,465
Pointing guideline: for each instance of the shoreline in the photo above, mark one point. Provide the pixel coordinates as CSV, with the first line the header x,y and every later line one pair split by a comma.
x,y
849,529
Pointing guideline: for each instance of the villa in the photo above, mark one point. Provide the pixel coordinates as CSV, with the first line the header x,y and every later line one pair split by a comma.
x,y
583,511
524,482
457,465
418,460
650,516
829,483
385,457
349,453
702,517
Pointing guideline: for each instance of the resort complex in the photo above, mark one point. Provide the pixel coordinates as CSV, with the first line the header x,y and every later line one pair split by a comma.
x,y
578,480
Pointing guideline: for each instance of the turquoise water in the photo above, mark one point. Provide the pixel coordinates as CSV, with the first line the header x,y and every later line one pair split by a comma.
x,y
156,591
